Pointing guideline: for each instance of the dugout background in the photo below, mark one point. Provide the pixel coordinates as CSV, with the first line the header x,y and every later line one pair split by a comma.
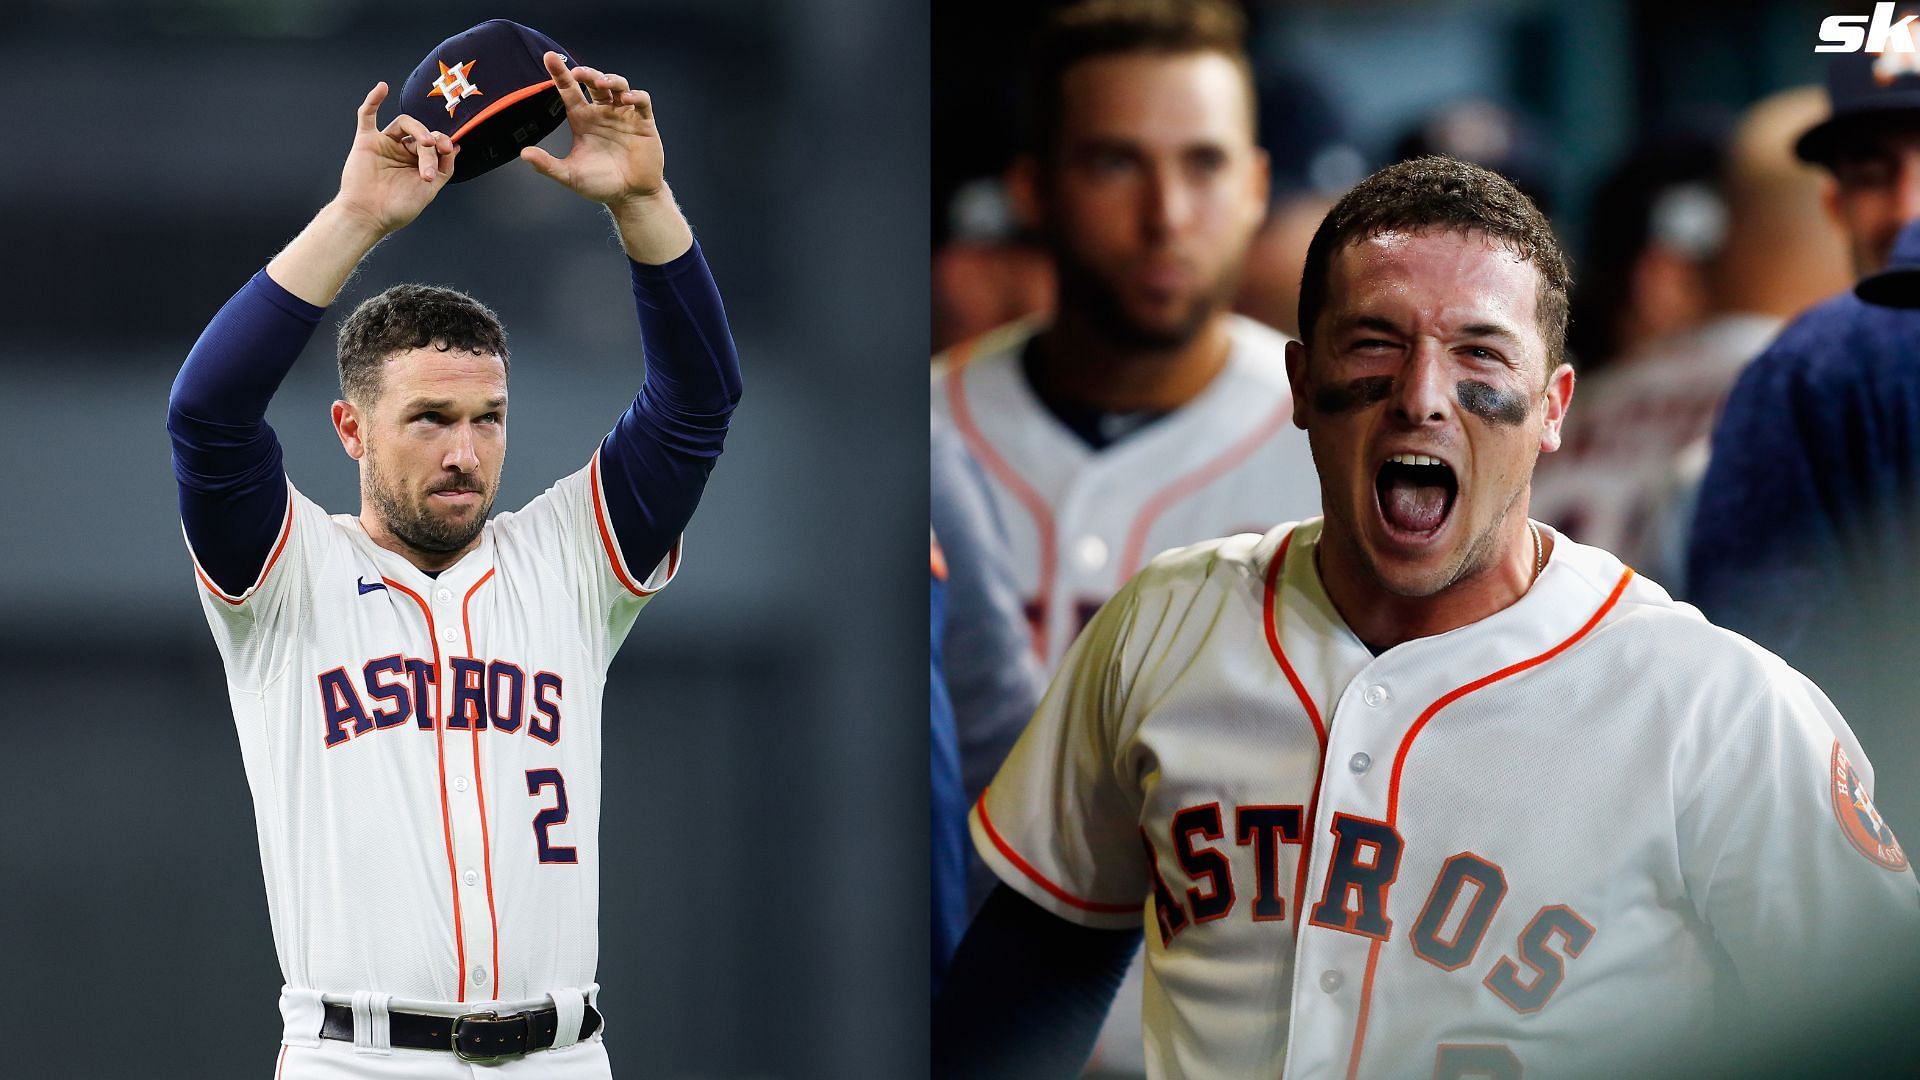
x,y
765,733
1342,84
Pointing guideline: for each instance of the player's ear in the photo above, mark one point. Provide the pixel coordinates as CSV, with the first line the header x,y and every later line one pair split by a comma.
x,y
1559,398
347,425
1297,380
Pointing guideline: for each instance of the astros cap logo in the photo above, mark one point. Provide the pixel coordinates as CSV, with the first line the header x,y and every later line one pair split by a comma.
x,y
453,85
518,108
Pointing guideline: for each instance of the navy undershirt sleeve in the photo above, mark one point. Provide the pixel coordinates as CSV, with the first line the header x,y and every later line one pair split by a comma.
x,y
1026,993
233,489
655,462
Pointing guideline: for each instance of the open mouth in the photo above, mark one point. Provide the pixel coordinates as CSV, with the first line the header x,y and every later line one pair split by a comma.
x,y
1415,493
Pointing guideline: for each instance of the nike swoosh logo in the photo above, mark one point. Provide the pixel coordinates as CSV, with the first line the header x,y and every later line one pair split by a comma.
x,y
366,588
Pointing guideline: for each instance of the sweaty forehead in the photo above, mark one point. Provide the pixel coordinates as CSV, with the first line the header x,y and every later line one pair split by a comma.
x,y
455,373
1439,277
1162,99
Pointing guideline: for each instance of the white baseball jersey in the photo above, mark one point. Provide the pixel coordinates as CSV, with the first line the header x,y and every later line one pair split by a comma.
x,y
1082,521
424,752
1534,843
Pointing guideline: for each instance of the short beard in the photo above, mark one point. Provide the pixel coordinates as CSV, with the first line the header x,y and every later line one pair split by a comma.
x,y
1083,290
419,529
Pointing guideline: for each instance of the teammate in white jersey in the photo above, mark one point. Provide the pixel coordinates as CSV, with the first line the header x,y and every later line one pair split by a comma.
x,y
1144,415
1421,788
417,688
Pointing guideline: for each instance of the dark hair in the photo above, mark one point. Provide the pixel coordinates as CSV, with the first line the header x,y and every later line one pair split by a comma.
x,y
1094,28
408,317
1441,193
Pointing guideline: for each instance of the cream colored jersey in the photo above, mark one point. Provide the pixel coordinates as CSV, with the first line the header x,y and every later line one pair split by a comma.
x,y
424,752
1535,843
1082,521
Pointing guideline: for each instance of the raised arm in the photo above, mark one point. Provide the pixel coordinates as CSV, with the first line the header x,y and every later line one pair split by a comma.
x,y
655,462
226,459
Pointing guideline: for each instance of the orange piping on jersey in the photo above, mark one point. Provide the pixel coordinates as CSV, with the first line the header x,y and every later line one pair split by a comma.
x,y
479,785
1366,998
606,540
280,1062
286,530
1272,613
1038,878
990,459
1206,474
501,103
1406,744
440,760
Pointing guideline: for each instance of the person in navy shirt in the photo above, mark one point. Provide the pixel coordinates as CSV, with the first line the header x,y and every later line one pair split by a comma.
x,y
1808,523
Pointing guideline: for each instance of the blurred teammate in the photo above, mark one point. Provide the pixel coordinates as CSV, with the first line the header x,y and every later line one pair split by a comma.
x,y
1808,525
1732,251
1143,415
1421,788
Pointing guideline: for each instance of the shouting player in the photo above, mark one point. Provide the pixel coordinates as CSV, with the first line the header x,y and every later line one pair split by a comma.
x,y
417,688
1420,788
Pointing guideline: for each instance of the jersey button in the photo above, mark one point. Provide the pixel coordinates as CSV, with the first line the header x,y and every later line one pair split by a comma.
x,y
1359,763
447,635
459,783
1090,552
446,595
471,878
479,975
1375,696
1330,981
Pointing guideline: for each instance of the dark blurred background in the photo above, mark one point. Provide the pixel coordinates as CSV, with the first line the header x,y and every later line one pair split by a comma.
x,y
762,911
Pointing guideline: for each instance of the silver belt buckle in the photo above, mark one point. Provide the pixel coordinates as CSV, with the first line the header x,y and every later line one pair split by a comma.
x,y
489,1016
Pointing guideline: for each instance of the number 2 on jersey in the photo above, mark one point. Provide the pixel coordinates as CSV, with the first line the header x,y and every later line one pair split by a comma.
x,y
539,780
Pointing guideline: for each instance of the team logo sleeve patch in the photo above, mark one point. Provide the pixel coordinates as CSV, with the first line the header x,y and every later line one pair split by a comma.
x,y
1853,808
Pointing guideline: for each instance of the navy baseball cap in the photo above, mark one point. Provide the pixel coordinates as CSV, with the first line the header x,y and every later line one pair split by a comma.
x,y
1867,92
488,88
1898,286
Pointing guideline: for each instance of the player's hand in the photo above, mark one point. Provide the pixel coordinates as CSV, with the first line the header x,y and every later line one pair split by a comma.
x,y
392,173
616,156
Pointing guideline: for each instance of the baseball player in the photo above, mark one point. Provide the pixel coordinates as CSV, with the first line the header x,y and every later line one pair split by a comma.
x,y
1144,415
1421,787
418,688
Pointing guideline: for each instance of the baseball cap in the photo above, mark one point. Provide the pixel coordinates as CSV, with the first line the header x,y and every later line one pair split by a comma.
x,y
1898,286
488,88
1865,90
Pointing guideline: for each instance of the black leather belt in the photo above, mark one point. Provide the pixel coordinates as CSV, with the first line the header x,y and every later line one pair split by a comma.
x,y
481,1036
